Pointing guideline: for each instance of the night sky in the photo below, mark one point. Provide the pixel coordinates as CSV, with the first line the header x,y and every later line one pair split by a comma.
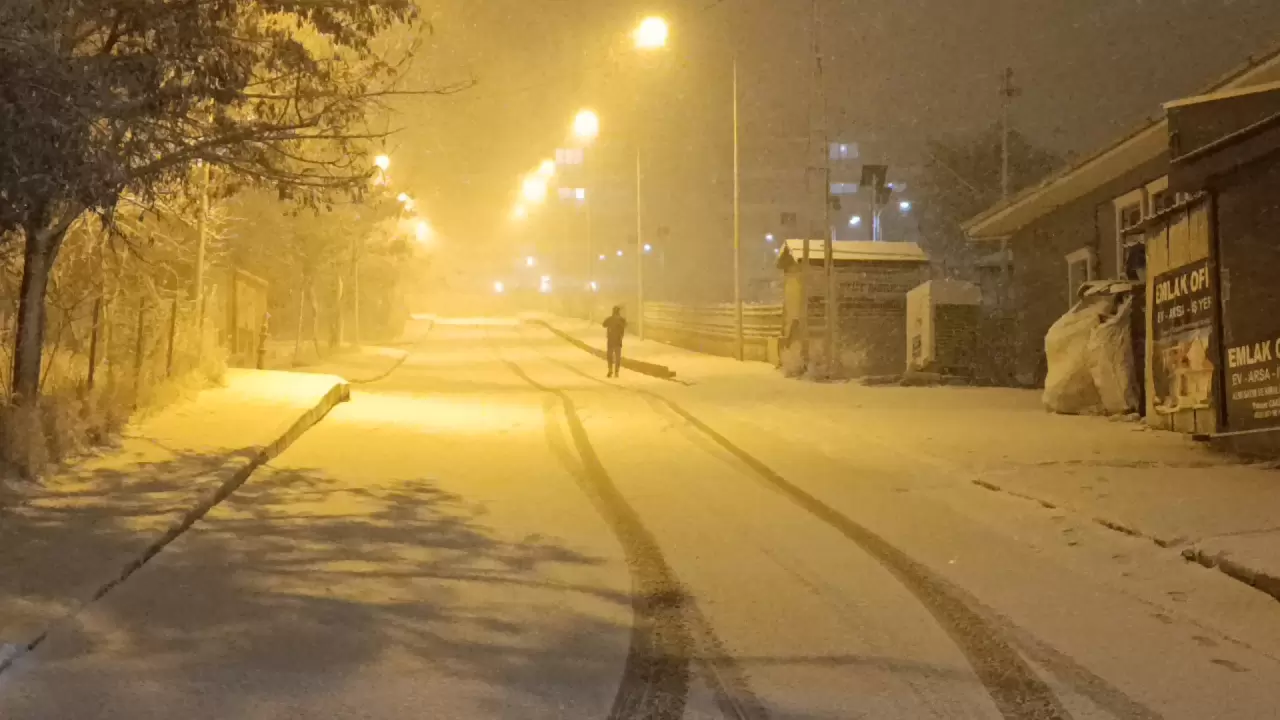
x,y
898,73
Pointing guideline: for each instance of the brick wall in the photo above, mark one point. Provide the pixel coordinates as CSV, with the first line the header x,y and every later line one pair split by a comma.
x,y
1039,284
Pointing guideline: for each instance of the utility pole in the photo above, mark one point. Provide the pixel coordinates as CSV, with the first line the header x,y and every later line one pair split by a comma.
x,y
740,343
1007,93
639,248
820,126
202,231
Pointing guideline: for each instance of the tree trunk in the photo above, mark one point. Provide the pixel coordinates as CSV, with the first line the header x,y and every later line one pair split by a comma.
x,y
335,337
302,312
315,317
41,247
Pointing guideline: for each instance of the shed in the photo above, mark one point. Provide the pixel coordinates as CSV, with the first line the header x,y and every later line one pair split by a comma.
x,y
872,280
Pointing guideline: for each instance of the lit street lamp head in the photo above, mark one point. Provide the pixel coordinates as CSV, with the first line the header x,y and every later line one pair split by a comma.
x,y
652,34
586,126
547,169
382,162
534,189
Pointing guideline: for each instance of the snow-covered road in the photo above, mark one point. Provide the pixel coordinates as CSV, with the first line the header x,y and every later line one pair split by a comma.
x,y
496,531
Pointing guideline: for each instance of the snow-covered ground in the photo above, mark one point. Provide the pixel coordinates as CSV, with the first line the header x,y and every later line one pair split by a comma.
x,y
494,530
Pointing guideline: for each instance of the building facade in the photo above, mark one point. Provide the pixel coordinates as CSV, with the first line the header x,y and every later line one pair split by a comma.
x,y
1085,223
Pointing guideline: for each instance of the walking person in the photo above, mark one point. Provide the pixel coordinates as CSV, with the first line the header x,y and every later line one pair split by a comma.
x,y
615,327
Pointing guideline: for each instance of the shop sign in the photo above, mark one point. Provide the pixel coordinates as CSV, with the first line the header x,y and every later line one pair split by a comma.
x,y
1182,365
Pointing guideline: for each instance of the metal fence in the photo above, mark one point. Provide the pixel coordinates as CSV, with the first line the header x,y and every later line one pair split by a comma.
x,y
712,329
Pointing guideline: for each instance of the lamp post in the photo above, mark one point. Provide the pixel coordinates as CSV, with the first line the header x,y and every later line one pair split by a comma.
x,y
649,36
586,128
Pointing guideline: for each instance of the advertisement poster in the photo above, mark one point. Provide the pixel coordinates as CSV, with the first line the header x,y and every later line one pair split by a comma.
x,y
1182,365
1253,382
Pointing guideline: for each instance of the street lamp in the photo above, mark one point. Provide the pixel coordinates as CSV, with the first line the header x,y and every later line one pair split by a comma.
x,y
382,162
651,34
547,169
534,189
586,126
905,206
619,253
422,231
648,248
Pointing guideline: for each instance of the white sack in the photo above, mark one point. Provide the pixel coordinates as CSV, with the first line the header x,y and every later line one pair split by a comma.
x,y
1110,358
1069,386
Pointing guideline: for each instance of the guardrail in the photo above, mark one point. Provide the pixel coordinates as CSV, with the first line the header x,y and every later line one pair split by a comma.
x,y
712,329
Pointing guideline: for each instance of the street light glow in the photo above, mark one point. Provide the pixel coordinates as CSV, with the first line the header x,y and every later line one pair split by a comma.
x,y
648,247
403,197
586,126
619,253
602,256
499,288
534,189
547,169
905,206
422,231
530,261
855,221
652,34
382,162
768,238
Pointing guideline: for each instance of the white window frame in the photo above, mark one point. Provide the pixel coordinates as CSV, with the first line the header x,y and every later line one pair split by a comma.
x,y
1090,258
1138,197
1154,188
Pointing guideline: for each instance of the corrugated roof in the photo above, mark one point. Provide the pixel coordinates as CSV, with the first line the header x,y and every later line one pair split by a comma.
x,y
855,251
1144,145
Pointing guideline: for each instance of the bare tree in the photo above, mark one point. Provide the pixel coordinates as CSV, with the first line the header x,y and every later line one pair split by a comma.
x,y
99,98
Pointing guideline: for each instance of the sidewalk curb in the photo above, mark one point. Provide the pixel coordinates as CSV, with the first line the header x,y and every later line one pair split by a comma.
x,y
1221,561
383,375
661,372
339,393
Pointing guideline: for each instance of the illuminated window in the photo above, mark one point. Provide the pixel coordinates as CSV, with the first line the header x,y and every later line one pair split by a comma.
x,y
569,156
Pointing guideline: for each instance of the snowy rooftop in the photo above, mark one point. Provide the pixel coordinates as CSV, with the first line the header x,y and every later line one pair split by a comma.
x,y
854,251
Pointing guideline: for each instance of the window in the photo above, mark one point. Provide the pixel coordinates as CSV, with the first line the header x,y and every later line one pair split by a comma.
x,y
788,220
844,151
569,156
1081,268
844,188
1159,197
1130,209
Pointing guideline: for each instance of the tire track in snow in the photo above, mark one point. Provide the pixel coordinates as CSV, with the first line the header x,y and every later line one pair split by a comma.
x,y
655,678
1015,688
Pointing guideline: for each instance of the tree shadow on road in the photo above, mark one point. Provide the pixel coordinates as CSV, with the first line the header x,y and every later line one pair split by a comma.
x,y
305,592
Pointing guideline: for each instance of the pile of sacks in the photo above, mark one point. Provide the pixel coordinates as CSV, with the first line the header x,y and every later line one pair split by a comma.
x,y
1090,354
